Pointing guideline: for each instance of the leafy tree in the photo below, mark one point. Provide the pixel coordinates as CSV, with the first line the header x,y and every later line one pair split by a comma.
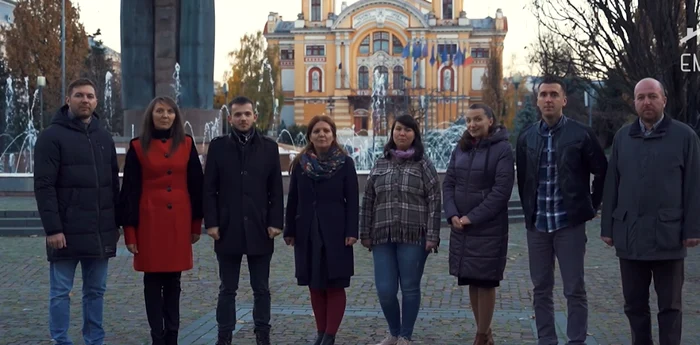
x,y
250,76
527,115
97,66
33,45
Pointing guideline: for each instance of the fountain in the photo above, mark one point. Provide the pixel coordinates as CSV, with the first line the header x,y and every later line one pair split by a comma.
x,y
10,161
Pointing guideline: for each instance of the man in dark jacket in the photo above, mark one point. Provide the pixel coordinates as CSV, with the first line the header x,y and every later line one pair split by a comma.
x,y
555,158
76,185
243,213
651,211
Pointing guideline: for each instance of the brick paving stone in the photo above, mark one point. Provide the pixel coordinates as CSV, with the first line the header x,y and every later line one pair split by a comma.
x,y
445,318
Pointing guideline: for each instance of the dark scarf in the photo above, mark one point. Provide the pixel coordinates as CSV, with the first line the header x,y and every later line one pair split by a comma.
x,y
324,167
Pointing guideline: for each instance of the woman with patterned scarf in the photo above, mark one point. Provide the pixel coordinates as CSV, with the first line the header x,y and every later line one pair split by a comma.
x,y
322,223
400,224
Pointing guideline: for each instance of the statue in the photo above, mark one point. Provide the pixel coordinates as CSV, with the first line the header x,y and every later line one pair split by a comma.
x,y
447,83
155,36
315,81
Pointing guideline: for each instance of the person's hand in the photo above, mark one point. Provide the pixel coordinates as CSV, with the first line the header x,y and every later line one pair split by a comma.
x,y
465,221
273,232
430,245
133,249
456,223
213,233
194,238
57,241
607,240
349,241
691,242
367,243
289,241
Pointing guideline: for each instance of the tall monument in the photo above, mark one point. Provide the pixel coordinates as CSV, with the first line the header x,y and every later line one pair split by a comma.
x,y
157,35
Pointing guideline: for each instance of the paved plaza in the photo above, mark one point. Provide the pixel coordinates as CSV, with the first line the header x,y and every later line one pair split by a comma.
x,y
445,319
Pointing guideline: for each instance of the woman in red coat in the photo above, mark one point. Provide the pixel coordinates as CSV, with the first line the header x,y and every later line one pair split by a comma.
x,y
161,212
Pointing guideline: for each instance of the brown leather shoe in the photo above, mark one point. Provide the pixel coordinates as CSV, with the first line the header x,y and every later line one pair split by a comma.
x,y
489,338
481,339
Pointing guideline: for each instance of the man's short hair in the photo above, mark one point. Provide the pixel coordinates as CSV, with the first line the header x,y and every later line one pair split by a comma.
x,y
240,100
550,79
80,82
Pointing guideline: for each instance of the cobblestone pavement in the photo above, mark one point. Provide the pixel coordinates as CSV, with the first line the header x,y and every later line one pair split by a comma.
x,y
445,318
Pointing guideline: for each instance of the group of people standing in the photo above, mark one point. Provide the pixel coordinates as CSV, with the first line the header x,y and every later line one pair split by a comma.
x,y
165,198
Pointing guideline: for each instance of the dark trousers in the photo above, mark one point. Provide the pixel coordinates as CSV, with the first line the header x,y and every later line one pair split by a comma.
x,y
162,297
568,246
229,274
668,282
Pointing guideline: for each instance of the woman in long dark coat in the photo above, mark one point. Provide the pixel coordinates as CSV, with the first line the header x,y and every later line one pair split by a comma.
x,y
477,187
322,223
161,212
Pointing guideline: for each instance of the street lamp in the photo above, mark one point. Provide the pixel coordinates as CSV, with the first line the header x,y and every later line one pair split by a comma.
x,y
517,78
63,51
40,83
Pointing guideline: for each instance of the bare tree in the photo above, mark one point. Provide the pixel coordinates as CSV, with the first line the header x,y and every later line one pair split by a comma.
x,y
625,41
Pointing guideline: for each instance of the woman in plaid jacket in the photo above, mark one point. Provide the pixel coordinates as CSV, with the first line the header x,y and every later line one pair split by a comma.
x,y
400,224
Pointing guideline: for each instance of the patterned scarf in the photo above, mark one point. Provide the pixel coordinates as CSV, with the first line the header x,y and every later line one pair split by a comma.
x,y
324,167
403,154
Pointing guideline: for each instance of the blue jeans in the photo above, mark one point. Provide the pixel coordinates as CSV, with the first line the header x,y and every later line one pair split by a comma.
x,y
94,286
394,264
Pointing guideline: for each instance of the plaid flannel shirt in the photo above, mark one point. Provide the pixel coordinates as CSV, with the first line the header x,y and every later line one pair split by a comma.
x,y
402,203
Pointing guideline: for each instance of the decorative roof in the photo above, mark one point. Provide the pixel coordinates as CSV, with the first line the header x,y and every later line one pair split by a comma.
x,y
284,27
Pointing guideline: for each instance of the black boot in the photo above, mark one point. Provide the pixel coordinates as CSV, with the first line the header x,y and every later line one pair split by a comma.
x,y
328,340
170,338
262,338
319,338
225,339
158,338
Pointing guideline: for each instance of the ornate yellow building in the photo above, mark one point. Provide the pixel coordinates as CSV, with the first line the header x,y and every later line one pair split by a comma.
x,y
379,58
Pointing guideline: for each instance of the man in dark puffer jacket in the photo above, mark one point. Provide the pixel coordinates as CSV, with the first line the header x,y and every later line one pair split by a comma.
x,y
76,184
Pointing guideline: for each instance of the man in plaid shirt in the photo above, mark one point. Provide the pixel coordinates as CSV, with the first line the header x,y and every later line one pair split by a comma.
x,y
555,158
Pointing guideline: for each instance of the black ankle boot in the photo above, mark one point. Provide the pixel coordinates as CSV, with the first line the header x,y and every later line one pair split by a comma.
x,y
319,338
262,338
225,339
328,340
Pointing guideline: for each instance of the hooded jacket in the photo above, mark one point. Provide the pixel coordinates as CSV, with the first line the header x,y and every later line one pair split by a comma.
x,y
76,185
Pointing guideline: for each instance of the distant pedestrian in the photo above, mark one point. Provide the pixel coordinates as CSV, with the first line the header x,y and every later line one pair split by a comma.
x,y
243,213
161,212
477,187
400,224
76,184
322,223
651,212
555,159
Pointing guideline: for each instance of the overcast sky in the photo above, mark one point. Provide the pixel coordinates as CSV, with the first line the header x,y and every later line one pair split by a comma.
x,y
233,21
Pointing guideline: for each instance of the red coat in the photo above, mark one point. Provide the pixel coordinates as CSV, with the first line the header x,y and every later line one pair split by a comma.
x,y
161,202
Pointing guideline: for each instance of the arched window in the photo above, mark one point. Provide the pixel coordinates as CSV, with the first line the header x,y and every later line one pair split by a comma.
x,y
447,9
315,10
383,75
315,79
398,82
364,46
448,79
397,46
381,41
363,78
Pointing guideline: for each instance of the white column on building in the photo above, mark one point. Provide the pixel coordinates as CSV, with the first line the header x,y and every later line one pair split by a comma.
x,y
346,65
337,61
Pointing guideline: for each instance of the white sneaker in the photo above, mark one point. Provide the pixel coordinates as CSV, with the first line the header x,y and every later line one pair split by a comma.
x,y
389,340
403,341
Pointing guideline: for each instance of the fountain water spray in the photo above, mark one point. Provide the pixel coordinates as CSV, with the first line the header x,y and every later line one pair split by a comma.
x,y
177,86
109,108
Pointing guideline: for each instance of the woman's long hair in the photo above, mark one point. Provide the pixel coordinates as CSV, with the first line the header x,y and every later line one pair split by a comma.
x,y
177,130
309,145
465,140
410,122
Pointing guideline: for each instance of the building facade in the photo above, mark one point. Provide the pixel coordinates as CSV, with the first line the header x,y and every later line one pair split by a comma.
x,y
380,58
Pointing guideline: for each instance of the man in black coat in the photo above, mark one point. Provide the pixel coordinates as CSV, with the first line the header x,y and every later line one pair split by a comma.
x,y
76,185
243,213
651,211
555,159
